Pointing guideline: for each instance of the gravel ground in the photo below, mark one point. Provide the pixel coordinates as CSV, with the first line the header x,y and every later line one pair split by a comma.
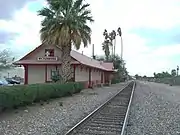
x,y
54,118
155,110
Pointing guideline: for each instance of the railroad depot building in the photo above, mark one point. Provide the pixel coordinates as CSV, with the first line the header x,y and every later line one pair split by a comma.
x,y
43,61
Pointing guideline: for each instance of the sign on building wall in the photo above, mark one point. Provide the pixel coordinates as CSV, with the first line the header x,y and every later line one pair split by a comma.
x,y
47,59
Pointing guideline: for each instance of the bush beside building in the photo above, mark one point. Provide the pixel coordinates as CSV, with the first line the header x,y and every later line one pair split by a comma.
x,y
22,95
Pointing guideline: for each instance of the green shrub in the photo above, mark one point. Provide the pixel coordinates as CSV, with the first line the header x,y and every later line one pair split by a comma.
x,y
78,87
21,95
56,78
114,81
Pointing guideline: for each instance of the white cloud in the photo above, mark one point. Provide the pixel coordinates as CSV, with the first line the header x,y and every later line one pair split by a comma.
x,y
128,14
27,25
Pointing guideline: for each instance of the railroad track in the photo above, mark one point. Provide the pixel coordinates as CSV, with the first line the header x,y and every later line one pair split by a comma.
x,y
108,119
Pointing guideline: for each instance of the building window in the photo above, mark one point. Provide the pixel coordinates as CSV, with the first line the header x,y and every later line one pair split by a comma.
x,y
54,73
49,52
55,76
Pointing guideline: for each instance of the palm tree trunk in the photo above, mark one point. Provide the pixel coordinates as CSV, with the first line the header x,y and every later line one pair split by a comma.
x,y
112,50
114,47
66,64
121,48
107,57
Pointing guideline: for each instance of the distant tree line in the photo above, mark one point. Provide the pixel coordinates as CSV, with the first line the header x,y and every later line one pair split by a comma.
x,y
164,74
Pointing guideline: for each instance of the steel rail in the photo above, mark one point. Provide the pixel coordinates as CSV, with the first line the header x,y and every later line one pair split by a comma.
x,y
128,110
101,106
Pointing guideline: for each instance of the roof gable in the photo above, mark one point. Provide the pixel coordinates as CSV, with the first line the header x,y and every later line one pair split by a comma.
x,y
32,52
39,52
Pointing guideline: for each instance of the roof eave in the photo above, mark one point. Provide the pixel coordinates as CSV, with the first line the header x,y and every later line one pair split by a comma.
x,y
16,63
23,63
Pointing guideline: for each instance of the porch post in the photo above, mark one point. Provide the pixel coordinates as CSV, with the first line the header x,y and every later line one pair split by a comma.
x,y
102,78
109,74
74,73
89,77
25,74
45,73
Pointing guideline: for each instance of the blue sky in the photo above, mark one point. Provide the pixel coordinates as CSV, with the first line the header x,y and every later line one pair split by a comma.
x,y
151,30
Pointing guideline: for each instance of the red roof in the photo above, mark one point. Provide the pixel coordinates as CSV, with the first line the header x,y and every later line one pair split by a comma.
x,y
80,59
108,65
85,60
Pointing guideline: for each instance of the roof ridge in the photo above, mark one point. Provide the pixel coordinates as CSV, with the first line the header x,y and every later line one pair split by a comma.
x,y
85,56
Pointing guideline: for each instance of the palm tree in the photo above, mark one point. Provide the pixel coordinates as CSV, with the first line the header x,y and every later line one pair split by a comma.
x,y
105,46
177,70
120,34
105,34
173,72
64,25
108,39
113,37
155,76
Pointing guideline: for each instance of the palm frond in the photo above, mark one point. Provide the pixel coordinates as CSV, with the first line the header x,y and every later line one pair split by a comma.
x,y
46,12
59,5
84,7
76,40
65,22
77,4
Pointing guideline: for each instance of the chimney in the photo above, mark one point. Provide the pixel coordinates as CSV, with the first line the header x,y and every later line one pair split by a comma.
x,y
94,57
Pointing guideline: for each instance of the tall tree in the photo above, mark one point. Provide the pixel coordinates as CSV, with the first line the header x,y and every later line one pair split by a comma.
x,y
155,76
177,70
173,72
6,60
108,42
112,37
137,76
64,25
105,46
120,34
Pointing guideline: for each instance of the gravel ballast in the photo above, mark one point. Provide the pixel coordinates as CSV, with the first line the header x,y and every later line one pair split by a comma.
x,y
155,110
57,116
